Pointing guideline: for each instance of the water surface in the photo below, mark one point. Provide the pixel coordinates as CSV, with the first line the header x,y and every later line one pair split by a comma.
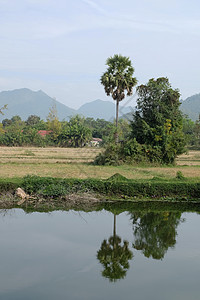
x,y
98,255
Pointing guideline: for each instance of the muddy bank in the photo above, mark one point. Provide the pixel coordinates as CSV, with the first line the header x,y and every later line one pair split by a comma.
x,y
74,200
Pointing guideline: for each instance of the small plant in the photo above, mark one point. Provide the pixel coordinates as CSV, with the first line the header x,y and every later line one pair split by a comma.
x,y
179,175
117,177
53,190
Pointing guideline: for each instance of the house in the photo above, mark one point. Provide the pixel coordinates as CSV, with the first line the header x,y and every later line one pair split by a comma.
x,y
95,142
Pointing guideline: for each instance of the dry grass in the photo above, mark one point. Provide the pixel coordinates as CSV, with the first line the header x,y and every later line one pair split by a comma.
x,y
69,162
45,155
192,158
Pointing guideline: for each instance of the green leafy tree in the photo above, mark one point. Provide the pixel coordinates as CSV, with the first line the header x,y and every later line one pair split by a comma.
x,y
13,138
114,256
16,119
6,122
118,81
189,128
53,124
100,128
32,138
2,131
33,120
157,121
15,123
74,133
124,129
13,132
197,131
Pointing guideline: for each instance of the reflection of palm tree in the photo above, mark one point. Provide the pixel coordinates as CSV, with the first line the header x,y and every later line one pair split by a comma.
x,y
155,232
114,256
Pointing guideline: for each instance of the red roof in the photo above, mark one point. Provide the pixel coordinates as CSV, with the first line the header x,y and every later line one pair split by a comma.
x,y
44,132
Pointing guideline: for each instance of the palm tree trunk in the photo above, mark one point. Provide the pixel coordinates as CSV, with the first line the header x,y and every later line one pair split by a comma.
x,y
117,116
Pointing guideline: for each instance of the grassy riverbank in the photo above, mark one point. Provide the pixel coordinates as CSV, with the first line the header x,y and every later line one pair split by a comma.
x,y
115,188
56,167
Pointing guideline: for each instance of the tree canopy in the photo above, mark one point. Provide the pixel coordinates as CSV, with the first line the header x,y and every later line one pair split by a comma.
x,y
157,121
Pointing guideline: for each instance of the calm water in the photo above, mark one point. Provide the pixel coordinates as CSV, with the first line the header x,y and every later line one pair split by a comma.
x,y
96,255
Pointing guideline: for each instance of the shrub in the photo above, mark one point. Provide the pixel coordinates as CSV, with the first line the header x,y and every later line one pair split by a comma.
x,y
179,175
111,156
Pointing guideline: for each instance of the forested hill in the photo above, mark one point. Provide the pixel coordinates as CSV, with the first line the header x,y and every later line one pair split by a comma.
x,y
191,107
24,102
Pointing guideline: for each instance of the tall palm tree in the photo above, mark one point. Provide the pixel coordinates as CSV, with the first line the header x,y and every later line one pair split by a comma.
x,y
118,80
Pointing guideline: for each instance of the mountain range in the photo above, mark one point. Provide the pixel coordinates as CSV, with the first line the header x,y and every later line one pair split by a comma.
x,y
25,102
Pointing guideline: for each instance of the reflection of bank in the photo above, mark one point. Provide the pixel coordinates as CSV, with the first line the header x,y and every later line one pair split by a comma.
x,y
114,256
155,232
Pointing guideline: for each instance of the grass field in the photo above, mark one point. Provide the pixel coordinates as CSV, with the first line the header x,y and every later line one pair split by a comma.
x,y
76,163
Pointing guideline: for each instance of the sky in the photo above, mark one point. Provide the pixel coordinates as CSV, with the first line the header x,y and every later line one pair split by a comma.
x,y
61,46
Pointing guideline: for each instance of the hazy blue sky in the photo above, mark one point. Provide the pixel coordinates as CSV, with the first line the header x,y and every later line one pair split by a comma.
x,y
61,46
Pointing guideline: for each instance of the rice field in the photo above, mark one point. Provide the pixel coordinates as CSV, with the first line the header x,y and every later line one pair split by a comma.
x,y
76,163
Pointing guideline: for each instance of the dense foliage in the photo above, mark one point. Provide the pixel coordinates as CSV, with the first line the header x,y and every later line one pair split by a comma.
x,y
157,121
77,132
156,129
192,132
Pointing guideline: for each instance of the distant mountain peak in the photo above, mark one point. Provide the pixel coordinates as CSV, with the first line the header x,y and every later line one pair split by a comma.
x,y
191,107
25,102
102,109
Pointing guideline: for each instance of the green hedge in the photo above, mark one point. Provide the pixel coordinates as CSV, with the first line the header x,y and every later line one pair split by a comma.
x,y
55,187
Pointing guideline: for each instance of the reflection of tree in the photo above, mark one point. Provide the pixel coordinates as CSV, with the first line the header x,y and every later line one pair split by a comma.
x,y
155,232
114,256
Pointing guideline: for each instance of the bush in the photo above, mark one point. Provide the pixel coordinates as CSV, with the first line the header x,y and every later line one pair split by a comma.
x,y
179,175
129,152
111,156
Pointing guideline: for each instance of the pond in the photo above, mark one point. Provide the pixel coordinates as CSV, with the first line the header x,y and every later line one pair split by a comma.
x,y
99,255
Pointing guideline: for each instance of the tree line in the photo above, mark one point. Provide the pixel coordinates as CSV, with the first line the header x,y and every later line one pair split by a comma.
x,y
77,132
